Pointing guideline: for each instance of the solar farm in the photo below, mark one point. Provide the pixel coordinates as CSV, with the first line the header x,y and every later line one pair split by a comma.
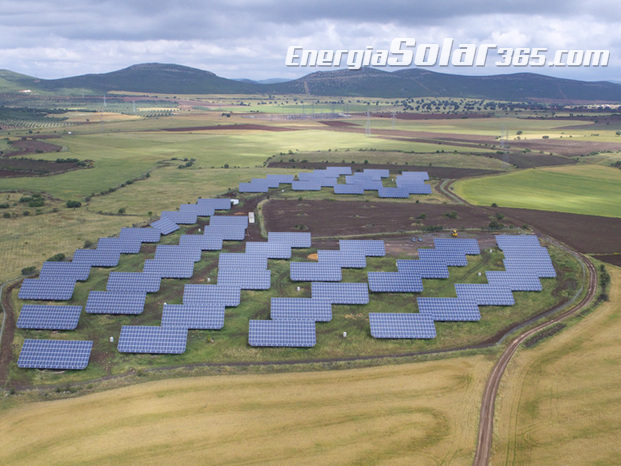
x,y
216,271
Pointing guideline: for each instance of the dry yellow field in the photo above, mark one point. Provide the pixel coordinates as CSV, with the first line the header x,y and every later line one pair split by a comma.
x,y
421,413
560,403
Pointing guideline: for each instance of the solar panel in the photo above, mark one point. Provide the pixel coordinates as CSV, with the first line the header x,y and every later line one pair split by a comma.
x,y
335,172
97,257
314,185
229,260
287,333
193,316
229,296
348,189
229,220
55,354
449,309
540,267
367,247
227,233
467,245
124,246
314,271
201,210
295,240
217,204
424,268
485,294
246,279
65,270
144,235
253,187
202,242
414,175
152,340
353,259
515,281
35,316
50,290
178,217
341,293
318,310
450,257
526,253
401,325
393,193
133,281
279,179
116,302
165,225
517,240
395,282
169,269
414,187
376,173
269,250
176,253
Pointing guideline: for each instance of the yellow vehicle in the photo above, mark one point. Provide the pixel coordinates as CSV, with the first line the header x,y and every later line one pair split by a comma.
x,y
454,234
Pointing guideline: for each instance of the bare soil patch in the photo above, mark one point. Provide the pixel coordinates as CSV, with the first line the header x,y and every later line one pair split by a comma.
x,y
337,123
246,126
31,146
12,167
533,161
566,146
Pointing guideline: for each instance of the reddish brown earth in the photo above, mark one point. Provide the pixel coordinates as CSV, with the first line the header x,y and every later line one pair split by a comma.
x,y
337,123
565,146
247,126
614,259
31,146
428,116
336,218
12,167
532,161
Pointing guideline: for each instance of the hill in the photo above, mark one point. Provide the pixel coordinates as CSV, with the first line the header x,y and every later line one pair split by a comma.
x,y
366,82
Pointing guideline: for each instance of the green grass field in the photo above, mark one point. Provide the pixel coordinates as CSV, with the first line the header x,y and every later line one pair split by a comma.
x,y
579,189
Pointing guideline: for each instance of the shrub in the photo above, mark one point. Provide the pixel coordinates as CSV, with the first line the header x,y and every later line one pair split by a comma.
x,y
29,270
57,257
74,204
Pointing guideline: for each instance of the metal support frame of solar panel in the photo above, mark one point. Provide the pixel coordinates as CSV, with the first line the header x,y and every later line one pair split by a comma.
x,y
169,269
515,281
134,281
246,279
239,221
348,189
124,246
279,179
180,218
314,271
295,240
152,340
217,204
201,210
226,233
97,257
197,316
352,259
269,250
176,253
395,193
401,325
78,271
229,296
469,246
452,258
232,260
116,302
55,354
414,188
517,240
46,317
165,225
449,309
144,235
201,242
369,247
318,310
49,290
543,268
424,268
341,293
282,333
306,186
254,187
394,282
485,294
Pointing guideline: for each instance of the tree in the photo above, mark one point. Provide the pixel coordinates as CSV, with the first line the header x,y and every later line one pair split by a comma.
x,y
74,204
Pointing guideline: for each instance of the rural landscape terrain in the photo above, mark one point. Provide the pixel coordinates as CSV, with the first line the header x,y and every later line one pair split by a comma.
x,y
82,158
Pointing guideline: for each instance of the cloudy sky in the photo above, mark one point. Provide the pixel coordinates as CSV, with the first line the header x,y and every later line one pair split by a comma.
x,y
249,38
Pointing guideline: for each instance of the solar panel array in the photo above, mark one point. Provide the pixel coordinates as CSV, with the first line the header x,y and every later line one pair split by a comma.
x,y
144,235
524,255
202,242
216,204
49,290
55,354
193,316
165,226
467,245
424,268
246,279
353,258
317,310
43,317
314,271
401,325
295,240
229,221
485,294
393,193
449,309
225,295
227,233
134,281
167,252
395,282
367,247
152,340
180,217
255,186
271,250
515,281
282,333
169,268
97,257
116,302
124,246
341,293
231,260
201,210
77,271
452,258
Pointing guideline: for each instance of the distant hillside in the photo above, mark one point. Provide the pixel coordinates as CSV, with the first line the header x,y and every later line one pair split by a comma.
x,y
367,82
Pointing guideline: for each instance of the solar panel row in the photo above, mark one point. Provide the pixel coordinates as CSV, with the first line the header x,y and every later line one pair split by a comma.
x,y
55,354
395,282
284,333
45,317
152,340
401,325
